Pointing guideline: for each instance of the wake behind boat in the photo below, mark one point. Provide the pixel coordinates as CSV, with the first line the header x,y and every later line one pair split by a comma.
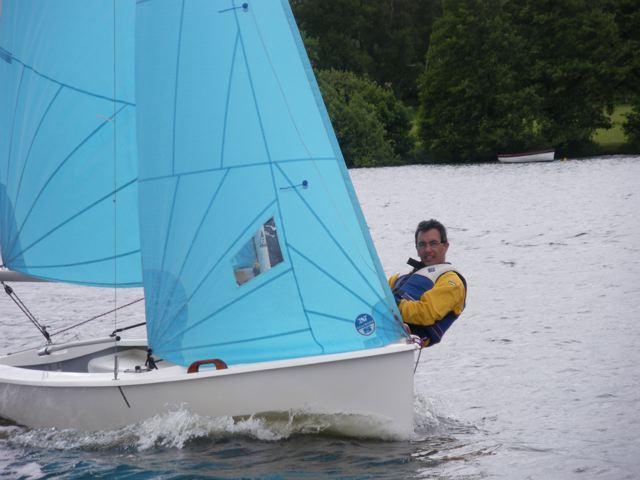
x,y
205,169
533,156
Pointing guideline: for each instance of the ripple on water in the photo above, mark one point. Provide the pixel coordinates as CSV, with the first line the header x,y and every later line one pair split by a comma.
x,y
537,407
201,444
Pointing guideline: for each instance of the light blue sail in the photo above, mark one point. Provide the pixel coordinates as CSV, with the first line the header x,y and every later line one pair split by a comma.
x,y
254,246
68,161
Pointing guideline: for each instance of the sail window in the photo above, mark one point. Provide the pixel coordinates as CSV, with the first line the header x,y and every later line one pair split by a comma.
x,y
260,253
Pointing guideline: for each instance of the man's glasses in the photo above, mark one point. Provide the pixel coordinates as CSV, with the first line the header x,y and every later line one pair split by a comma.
x,y
432,244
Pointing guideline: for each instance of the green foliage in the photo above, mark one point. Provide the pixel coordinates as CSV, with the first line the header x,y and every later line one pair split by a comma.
x,y
372,126
475,101
573,47
613,140
632,125
311,45
514,75
385,39
503,75
627,59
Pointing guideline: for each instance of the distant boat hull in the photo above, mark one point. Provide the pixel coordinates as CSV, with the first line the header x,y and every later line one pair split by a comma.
x,y
537,156
376,383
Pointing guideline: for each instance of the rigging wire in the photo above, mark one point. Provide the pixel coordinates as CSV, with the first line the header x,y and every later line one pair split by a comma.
x,y
418,341
41,328
115,205
97,316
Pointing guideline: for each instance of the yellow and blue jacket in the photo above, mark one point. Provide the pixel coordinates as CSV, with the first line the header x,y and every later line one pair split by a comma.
x,y
430,299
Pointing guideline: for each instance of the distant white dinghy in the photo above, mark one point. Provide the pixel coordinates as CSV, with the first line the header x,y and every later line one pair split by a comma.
x,y
201,165
534,156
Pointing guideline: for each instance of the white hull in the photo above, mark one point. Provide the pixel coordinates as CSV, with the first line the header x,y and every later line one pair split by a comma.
x,y
541,156
375,383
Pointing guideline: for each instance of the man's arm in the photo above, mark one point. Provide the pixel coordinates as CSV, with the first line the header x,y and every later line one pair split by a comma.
x,y
447,295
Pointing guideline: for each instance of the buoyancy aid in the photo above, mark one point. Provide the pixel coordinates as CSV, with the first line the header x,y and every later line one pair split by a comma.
x,y
413,285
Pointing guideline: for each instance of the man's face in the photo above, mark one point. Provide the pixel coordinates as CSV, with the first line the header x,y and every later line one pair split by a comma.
x,y
430,250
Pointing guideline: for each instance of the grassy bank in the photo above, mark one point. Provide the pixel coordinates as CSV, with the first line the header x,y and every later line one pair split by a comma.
x,y
607,141
613,140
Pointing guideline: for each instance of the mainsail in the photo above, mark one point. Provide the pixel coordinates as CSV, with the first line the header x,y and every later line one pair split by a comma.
x,y
254,247
68,164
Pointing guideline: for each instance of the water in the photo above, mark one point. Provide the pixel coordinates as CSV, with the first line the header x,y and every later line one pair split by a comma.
x,y
538,379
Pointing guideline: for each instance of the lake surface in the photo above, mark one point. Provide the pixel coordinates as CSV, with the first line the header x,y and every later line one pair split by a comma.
x,y
540,377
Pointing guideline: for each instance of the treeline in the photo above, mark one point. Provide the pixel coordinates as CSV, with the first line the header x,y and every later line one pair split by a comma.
x,y
460,80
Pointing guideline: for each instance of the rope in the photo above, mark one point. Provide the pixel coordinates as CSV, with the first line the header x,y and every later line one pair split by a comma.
x,y
115,198
122,329
43,329
97,316
418,341
13,296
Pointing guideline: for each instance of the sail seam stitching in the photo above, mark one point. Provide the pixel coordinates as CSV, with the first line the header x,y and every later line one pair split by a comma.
x,y
175,89
33,140
226,107
13,126
273,179
235,167
326,229
275,75
54,173
169,228
121,255
235,342
227,305
357,210
60,225
318,267
211,270
323,314
195,236
69,86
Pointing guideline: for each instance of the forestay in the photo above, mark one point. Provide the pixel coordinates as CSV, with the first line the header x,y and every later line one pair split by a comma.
x,y
254,245
68,146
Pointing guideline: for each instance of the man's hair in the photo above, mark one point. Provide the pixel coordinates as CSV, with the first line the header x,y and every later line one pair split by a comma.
x,y
425,225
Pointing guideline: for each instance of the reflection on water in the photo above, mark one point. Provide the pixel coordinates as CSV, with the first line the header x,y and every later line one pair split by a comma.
x,y
538,378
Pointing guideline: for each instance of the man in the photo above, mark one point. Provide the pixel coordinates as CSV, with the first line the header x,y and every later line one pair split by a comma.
x,y
433,295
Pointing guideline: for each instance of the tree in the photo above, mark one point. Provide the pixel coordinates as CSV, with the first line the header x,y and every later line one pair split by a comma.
x,y
372,126
513,75
626,15
632,125
627,18
385,39
337,26
573,46
311,46
474,99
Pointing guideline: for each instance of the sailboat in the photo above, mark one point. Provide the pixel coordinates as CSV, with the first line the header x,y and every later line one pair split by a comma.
x,y
184,146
